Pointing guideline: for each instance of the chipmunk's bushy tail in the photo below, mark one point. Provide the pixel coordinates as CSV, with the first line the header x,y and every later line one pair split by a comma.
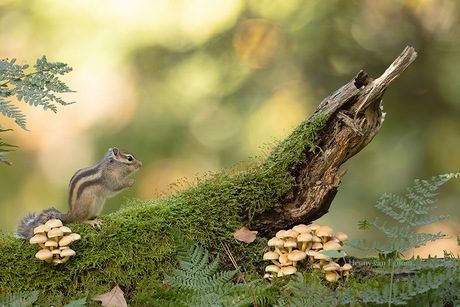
x,y
27,224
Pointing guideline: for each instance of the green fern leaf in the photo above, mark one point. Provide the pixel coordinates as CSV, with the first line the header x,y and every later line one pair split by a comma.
x,y
412,210
10,110
37,88
19,299
199,283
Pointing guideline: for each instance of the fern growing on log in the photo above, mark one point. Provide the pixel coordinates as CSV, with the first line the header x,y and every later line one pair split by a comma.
x,y
200,283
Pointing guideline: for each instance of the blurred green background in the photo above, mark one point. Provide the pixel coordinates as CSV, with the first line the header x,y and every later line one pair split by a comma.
x,y
191,86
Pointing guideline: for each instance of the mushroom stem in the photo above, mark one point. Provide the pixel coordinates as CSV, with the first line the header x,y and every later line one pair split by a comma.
x,y
277,249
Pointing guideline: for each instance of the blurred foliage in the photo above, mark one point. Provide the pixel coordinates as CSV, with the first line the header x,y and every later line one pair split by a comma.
x,y
204,86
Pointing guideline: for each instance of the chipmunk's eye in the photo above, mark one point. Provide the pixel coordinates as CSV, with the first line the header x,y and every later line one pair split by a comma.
x,y
129,158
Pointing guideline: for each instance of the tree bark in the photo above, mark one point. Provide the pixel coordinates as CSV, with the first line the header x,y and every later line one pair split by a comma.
x,y
355,117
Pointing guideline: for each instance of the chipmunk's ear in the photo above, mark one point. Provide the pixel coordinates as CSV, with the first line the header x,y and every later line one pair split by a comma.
x,y
115,151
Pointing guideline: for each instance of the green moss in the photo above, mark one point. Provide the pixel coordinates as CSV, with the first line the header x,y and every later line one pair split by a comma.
x,y
134,245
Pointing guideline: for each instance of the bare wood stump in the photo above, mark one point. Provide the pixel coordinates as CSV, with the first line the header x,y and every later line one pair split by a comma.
x,y
355,117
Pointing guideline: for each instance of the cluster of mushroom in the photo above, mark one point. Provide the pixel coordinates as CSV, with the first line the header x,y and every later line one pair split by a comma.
x,y
304,242
54,239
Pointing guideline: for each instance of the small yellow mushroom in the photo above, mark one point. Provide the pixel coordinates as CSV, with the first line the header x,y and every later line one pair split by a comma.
x,y
44,254
332,276
39,239
273,256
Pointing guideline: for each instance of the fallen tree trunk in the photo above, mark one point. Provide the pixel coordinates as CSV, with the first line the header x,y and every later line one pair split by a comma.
x,y
295,183
354,118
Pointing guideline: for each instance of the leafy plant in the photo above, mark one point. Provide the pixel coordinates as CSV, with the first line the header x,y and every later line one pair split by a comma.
x,y
36,88
200,283
427,285
23,298
306,290
414,210
4,148
28,298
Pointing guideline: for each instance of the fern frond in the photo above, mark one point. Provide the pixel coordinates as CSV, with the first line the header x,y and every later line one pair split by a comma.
x,y
413,210
37,88
5,148
10,110
424,287
23,298
361,244
199,283
303,290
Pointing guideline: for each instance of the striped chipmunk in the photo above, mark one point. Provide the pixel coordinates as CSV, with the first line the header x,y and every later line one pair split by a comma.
x,y
88,189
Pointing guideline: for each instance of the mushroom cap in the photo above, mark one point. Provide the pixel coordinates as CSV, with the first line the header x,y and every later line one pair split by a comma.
x,y
281,234
272,268
316,239
316,266
65,229
346,267
75,236
284,260
41,229
275,241
53,223
51,243
66,240
317,246
341,236
44,254
288,270
331,266
38,238
67,252
314,226
310,253
290,243
55,232
335,239
332,245
320,256
57,261
324,231
271,256
301,228
332,276
297,255
304,237
291,233
56,252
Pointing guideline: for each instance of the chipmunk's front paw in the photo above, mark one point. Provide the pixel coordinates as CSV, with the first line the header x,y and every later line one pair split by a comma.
x,y
96,223
130,182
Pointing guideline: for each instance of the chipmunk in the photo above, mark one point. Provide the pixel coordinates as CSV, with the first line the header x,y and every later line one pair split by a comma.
x,y
88,189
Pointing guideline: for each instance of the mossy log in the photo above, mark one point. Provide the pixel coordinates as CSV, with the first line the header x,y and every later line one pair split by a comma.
x,y
295,183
